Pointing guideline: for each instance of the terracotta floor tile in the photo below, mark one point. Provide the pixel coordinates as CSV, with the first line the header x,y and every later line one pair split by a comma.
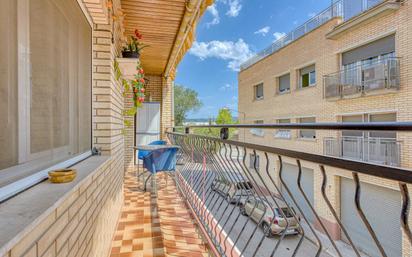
x,y
155,227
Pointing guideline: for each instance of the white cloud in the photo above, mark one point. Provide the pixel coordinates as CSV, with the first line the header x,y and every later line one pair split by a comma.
x,y
279,35
234,52
226,87
215,14
263,31
234,8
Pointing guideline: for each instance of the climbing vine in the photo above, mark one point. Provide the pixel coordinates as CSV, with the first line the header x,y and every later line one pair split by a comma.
x,y
136,85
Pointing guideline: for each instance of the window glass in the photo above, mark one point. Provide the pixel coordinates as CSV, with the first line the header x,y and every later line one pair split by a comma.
x,y
259,91
54,119
312,77
352,133
284,83
286,211
261,206
257,131
383,117
307,133
8,84
307,76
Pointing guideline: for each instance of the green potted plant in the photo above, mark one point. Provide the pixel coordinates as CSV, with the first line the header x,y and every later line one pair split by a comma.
x,y
133,46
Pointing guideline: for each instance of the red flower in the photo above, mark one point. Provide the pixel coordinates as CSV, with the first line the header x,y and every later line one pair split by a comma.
x,y
142,80
137,34
135,90
142,90
141,71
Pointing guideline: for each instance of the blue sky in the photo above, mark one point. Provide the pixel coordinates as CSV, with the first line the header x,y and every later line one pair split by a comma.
x,y
229,33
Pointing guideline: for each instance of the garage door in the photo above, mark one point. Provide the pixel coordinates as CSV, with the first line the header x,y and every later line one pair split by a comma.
x,y
382,207
290,175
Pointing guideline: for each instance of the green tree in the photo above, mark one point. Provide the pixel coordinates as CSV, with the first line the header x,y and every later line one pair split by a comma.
x,y
186,100
224,116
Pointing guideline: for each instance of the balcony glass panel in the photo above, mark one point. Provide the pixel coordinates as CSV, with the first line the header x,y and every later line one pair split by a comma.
x,y
371,74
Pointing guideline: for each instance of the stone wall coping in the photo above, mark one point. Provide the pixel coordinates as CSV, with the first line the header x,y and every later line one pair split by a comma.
x,y
22,213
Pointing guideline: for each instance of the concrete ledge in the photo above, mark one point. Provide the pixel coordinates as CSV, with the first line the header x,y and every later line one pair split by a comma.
x,y
373,13
23,213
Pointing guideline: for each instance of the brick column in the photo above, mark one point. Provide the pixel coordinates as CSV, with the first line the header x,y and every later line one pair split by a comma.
x,y
167,120
107,94
128,69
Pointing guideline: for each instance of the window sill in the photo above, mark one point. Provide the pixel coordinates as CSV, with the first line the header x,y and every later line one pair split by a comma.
x,y
304,139
283,138
305,88
282,93
22,213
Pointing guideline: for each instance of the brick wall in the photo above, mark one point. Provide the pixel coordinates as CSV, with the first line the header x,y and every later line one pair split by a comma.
x,y
83,223
79,225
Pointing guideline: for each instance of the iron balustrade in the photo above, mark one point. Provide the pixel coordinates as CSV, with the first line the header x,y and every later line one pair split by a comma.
x,y
205,160
363,79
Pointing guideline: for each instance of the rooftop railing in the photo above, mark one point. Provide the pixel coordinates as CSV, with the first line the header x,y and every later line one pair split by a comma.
x,y
267,208
345,9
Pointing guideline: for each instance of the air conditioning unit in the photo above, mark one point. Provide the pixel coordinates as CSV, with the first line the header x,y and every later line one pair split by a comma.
x,y
374,77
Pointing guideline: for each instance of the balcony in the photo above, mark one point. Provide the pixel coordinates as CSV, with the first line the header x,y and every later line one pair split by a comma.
x,y
376,78
224,198
385,151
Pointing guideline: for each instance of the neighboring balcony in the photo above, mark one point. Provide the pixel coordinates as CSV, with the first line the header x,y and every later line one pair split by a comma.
x,y
378,77
385,151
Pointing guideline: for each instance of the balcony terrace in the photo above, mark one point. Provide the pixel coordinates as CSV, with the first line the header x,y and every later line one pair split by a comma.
x,y
216,202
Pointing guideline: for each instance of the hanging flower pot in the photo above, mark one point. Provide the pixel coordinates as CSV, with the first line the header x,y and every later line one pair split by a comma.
x,y
133,46
130,54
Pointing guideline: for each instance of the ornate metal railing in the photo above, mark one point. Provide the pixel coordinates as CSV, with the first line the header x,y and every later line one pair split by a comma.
x,y
220,185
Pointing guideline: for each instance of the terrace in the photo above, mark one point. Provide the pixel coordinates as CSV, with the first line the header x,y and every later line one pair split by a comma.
x,y
65,109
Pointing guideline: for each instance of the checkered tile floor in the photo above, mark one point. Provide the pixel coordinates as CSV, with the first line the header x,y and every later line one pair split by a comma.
x,y
151,226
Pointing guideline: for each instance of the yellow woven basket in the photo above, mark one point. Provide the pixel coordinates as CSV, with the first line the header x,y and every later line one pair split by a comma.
x,y
62,176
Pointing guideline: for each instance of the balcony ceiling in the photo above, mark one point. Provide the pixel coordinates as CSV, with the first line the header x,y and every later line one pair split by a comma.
x,y
159,22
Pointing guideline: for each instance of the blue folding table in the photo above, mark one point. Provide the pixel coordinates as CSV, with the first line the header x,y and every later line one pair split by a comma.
x,y
159,158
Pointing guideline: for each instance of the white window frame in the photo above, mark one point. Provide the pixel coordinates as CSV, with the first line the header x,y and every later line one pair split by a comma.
x,y
257,131
24,88
311,75
279,132
299,132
